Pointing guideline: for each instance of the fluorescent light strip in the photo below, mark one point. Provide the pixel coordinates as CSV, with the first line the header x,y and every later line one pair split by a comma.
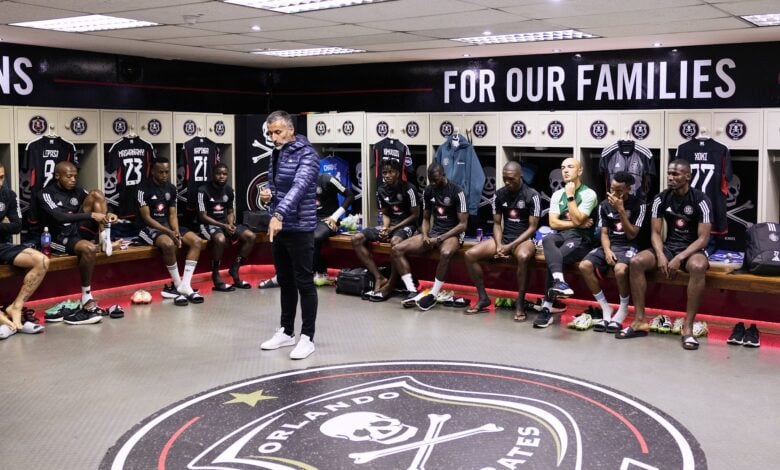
x,y
770,19
527,37
81,24
297,6
308,52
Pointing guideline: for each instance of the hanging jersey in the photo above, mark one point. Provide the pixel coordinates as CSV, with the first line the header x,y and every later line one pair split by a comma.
x,y
626,155
445,204
710,172
586,200
9,208
515,209
215,201
328,190
199,157
396,153
131,159
339,168
42,155
159,199
396,201
54,199
683,216
609,218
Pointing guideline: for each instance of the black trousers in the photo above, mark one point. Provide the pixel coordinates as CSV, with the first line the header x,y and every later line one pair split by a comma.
x,y
563,248
321,233
293,254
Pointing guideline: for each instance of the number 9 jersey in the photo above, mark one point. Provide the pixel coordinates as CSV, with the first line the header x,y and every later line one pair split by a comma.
x,y
131,158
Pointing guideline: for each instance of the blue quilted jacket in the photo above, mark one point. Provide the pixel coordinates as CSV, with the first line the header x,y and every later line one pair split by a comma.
x,y
292,178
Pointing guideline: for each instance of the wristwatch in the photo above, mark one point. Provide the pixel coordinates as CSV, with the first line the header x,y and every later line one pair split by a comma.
x,y
278,217
570,198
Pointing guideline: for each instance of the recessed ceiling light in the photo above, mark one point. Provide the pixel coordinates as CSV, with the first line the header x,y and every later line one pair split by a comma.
x,y
486,33
556,50
657,44
578,55
297,6
256,28
769,19
466,55
527,37
81,24
315,51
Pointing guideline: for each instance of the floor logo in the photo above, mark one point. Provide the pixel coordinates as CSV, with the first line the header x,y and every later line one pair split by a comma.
x,y
410,414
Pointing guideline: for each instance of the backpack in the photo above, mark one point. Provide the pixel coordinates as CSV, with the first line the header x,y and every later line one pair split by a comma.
x,y
762,249
354,281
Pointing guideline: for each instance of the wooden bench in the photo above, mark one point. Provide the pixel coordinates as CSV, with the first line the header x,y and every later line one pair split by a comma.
x,y
718,276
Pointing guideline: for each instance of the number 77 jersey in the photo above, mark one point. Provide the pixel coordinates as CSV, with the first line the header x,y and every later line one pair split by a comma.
x,y
710,173
131,159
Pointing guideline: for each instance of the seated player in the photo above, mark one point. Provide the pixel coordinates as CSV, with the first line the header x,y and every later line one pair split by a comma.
x,y
446,203
687,212
621,217
33,261
76,218
516,213
397,201
570,209
157,210
218,224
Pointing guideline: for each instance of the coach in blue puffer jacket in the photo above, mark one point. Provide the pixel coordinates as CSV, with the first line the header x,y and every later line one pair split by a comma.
x,y
292,190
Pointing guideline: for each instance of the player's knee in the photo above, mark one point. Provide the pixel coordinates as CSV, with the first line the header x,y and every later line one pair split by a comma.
x,y
621,270
358,239
42,261
447,253
470,256
586,267
248,236
97,195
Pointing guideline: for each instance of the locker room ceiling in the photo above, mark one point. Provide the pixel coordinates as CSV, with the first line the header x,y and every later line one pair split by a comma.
x,y
395,31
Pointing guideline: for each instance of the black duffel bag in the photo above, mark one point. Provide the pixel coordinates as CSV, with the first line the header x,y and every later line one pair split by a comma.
x,y
257,221
354,281
762,249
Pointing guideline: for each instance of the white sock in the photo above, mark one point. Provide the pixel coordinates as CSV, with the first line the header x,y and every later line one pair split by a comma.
x,y
107,248
547,305
622,310
173,270
558,277
605,307
409,282
186,277
437,285
86,294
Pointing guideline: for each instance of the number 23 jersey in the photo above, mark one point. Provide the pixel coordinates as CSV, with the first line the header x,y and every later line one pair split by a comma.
x,y
131,159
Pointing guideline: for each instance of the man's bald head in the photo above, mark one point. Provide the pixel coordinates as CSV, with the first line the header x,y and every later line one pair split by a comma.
x,y
66,174
571,170
63,167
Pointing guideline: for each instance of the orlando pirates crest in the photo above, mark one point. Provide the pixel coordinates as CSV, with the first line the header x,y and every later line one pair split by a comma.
x,y
640,130
219,128
119,126
446,128
519,130
555,129
78,125
348,128
598,129
736,129
412,129
38,125
689,129
154,127
382,129
480,129
320,128
190,128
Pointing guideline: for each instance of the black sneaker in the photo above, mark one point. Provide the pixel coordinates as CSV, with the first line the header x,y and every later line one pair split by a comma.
x,y
83,317
426,302
544,319
737,334
751,339
59,315
560,290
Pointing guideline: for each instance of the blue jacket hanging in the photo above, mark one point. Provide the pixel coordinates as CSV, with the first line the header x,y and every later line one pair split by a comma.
x,y
462,167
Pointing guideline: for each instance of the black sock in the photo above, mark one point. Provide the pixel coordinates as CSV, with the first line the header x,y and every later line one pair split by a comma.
x,y
234,268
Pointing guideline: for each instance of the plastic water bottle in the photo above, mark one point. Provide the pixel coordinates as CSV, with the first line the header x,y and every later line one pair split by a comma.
x,y
46,242
360,222
379,221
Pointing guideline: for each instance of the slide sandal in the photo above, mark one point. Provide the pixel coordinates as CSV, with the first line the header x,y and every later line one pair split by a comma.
x,y
267,284
628,333
222,287
480,307
31,328
242,284
689,343
6,332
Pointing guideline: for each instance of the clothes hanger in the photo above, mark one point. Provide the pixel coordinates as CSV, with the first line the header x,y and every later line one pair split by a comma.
x,y
51,134
131,133
201,134
704,134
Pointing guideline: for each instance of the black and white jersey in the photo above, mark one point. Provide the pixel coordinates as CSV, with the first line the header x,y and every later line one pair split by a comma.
x,y
627,155
610,218
199,157
682,215
62,209
515,209
328,189
710,172
9,208
159,199
216,201
131,158
444,204
396,202
395,152
42,155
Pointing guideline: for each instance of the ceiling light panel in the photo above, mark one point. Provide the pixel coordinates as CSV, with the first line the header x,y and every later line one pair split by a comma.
x,y
298,6
82,24
526,37
770,19
316,51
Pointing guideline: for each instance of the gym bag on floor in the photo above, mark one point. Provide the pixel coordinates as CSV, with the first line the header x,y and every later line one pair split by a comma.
x,y
762,249
354,281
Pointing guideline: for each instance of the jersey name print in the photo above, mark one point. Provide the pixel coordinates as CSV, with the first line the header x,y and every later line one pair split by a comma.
x,y
200,156
711,172
131,159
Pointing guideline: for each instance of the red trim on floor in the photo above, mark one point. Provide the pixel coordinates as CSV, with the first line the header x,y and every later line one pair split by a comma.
x,y
169,444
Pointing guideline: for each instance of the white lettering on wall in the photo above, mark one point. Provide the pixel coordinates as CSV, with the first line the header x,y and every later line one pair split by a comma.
x,y
13,76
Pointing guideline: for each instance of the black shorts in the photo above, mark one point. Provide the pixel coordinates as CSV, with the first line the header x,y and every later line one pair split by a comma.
x,y
461,236
405,232
65,243
9,252
672,251
207,231
623,253
148,234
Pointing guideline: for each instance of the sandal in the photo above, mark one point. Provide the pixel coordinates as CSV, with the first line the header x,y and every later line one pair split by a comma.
x,y
241,284
689,343
600,326
520,316
31,328
6,332
195,298
222,287
628,333
115,311
180,301
613,327
460,302
268,284
480,307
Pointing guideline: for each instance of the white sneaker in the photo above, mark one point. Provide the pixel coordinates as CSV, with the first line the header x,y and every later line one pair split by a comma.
x,y
278,340
304,348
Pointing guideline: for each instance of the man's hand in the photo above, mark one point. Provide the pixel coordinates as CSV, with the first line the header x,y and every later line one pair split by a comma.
x,y
502,251
332,223
663,265
673,267
98,217
587,223
274,227
176,238
230,229
615,202
111,218
384,234
569,189
265,195
430,242
610,256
